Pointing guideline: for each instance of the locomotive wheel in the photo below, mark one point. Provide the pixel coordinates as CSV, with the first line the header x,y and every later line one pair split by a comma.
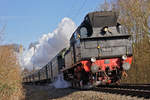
x,y
118,82
76,84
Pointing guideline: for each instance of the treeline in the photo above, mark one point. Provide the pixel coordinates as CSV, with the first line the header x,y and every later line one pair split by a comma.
x,y
135,15
140,70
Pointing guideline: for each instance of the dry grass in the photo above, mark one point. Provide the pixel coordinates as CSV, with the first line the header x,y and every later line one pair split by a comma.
x,y
10,76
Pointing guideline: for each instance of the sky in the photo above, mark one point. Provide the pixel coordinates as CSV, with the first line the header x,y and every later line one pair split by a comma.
x,y
26,21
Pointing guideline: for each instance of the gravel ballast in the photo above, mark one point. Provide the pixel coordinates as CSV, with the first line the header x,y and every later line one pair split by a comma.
x,y
50,93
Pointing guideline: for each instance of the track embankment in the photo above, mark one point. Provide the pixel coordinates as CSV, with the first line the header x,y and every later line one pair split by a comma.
x,y
33,92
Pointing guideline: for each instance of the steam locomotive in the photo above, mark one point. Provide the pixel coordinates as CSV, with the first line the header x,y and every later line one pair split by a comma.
x,y
100,52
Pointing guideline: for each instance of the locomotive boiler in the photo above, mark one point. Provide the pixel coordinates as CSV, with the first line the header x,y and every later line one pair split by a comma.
x,y
100,51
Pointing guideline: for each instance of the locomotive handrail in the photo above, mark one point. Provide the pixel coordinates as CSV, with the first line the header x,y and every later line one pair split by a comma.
x,y
104,37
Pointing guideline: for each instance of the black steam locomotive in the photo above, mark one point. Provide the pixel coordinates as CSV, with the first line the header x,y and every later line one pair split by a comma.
x,y
100,52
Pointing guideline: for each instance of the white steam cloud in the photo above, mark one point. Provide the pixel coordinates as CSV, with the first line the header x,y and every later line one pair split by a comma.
x,y
48,45
60,82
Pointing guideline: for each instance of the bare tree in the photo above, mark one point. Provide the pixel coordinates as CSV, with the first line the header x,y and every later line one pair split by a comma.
x,y
2,28
108,6
105,6
135,16
10,72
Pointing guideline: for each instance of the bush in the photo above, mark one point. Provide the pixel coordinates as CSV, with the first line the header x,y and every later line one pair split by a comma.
x,y
10,75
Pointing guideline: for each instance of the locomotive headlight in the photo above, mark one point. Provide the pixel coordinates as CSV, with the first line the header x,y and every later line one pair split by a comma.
x,y
93,59
126,66
124,57
120,26
106,29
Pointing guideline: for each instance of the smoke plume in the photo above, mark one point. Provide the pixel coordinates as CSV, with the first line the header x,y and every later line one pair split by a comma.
x,y
41,52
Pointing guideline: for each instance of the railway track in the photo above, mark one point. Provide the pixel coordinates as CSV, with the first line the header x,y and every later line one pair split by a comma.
x,y
139,91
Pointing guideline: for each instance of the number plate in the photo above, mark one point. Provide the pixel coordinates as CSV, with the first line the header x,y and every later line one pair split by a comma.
x,y
106,49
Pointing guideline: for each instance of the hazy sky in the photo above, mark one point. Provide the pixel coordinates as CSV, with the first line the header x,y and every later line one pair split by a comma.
x,y
27,20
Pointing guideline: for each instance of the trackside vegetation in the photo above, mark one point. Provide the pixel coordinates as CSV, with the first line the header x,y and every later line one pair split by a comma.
x,y
10,75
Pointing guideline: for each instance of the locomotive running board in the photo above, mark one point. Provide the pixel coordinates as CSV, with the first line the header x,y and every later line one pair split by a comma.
x,y
71,66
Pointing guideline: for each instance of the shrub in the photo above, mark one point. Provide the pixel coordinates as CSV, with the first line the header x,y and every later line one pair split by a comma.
x,y
10,75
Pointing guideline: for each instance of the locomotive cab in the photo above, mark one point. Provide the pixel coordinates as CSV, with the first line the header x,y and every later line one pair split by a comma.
x,y
100,24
